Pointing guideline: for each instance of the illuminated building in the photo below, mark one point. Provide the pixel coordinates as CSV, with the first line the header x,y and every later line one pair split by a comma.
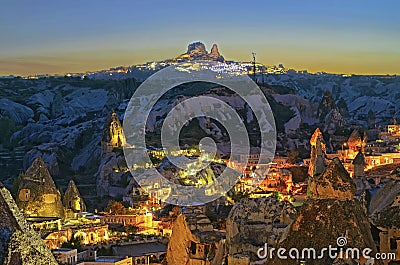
x,y
87,235
357,145
142,253
65,256
109,261
113,136
394,130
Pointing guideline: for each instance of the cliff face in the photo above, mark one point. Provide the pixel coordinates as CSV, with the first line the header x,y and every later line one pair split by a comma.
x,y
19,244
37,194
254,222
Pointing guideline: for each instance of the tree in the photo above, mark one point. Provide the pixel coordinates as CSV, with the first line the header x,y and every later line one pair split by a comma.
x,y
74,243
7,128
15,186
115,207
155,159
277,195
371,119
131,229
293,156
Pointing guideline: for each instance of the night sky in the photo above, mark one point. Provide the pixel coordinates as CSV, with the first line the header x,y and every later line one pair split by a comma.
x,y
340,36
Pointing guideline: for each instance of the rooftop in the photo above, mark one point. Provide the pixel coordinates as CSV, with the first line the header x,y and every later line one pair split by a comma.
x,y
63,250
109,259
141,249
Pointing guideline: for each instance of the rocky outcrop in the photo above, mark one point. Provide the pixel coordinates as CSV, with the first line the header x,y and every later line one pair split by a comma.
x,y
73,201
43,102
343,109
48,152
37,194
385,197
88,156
254,222
355,142
388,217
329,114
321,222
112,136
304,110
330,213
193,240
215,55
359,165
111,178
197,51
318,154
15,111
333,120
19,244
334,183
326,105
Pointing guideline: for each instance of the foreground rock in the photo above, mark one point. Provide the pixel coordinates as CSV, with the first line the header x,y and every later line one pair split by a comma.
x,y
254,222
193,240
19,244
329,213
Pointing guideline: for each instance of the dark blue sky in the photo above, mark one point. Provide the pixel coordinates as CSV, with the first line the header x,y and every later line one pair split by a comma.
x,y
353,36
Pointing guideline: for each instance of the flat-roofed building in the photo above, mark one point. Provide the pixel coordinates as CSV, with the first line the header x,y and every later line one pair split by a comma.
x,y
109,260
142,253
65,255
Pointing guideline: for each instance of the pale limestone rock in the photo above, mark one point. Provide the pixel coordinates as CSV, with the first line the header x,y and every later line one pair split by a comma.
x,y
15,111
